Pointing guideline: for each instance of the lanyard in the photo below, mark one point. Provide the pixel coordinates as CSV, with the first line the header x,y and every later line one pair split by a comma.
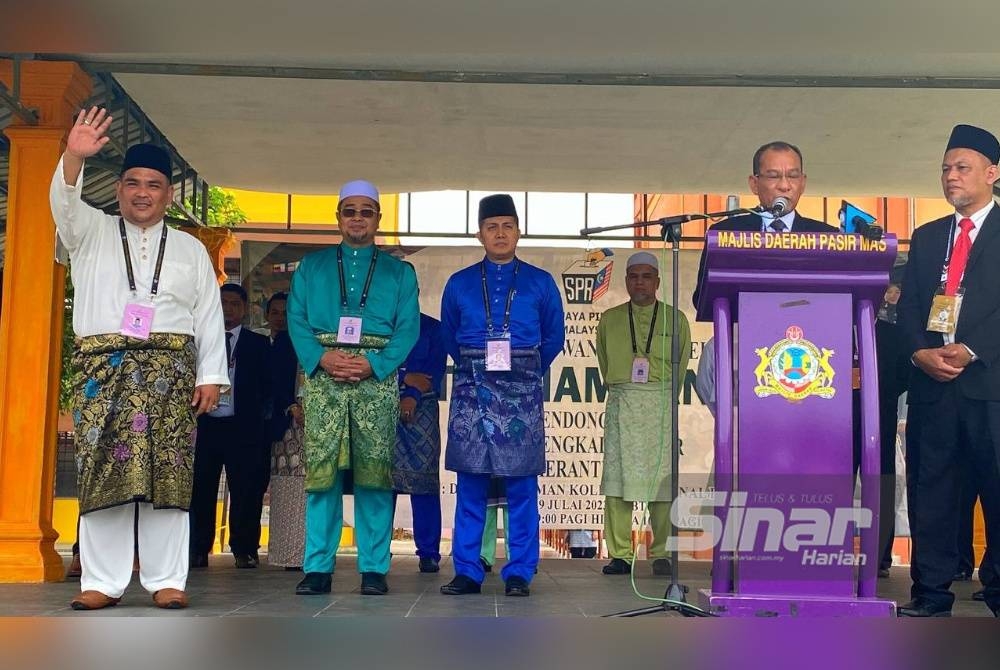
x,y
948,250
510,298
652,326
155,286
368,279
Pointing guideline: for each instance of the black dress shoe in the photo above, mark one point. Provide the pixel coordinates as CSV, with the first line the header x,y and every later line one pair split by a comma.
x,y
517,586
461,586
245,561
313,584
921,607
883,573
198,561
979,595
962,576
373,584
428,564
617,566
486,566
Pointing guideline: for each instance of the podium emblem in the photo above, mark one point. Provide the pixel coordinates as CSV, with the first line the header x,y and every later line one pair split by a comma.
x,y
794,368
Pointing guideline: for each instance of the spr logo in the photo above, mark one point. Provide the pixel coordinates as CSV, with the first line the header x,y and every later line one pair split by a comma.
x,y
587,280
794,368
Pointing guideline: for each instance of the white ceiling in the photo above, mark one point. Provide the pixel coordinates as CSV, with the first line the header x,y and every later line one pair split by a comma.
x,y
309,134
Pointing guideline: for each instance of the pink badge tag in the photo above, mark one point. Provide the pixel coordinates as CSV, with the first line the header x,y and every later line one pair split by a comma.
x,y
137,320
640,370
498,355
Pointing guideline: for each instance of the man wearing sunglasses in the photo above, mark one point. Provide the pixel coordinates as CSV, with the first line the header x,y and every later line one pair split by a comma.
x,y
778,180
353,317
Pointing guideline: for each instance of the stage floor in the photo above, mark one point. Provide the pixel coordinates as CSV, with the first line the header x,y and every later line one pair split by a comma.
x,y
562,588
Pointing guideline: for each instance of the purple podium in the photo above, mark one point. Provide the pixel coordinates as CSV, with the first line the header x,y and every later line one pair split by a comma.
x,y
782,519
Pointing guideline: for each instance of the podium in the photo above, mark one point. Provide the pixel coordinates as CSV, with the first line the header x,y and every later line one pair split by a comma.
x,y
782,518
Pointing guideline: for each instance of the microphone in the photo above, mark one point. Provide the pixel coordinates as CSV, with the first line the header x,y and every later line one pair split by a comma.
x,y
867,230
779,206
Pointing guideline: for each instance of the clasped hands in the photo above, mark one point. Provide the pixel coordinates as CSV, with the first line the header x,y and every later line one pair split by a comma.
x,y
945,363
344,367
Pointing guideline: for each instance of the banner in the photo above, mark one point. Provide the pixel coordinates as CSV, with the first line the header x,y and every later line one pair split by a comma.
x,y
590,282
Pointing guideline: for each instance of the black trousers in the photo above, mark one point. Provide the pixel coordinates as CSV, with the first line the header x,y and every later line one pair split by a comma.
x,y
946,441
888,419
248,470
966,523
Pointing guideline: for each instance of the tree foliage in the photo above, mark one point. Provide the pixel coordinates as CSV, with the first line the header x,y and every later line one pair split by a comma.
x,y
223,209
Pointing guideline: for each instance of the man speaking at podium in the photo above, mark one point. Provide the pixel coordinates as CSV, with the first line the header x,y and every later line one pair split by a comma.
x,y
779,181
949,314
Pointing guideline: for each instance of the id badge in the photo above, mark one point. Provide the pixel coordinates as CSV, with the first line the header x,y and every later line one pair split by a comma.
x,y
640,370
943,317
498,354
137,321
349,331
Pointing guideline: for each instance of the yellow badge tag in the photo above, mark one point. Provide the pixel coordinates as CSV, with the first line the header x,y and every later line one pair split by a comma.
x,y
944,313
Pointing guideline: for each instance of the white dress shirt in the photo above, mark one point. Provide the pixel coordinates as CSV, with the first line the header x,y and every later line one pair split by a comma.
x,y
187,301
977,223
766,219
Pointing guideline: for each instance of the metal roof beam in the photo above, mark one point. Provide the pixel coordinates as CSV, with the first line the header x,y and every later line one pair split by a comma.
x,y
539,78
189,215
12,98
27,114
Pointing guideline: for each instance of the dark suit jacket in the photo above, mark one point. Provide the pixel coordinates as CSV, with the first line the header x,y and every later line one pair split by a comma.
x,y
979,320
252,390
752,223
894,367
284,370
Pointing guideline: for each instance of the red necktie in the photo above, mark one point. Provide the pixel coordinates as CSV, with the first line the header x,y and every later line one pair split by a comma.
x,y
959,257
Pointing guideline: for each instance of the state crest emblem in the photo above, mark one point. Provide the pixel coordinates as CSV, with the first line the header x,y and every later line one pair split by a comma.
x,y
794,368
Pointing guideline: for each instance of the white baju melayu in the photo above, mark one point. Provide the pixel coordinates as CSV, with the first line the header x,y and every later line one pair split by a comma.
x,y
187,303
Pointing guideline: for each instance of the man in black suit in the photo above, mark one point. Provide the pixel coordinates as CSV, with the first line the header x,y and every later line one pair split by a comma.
x,y
950,316
893,369
777,173
284,367
234,436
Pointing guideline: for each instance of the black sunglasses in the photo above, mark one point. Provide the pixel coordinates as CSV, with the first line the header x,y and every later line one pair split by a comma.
x,y
351,212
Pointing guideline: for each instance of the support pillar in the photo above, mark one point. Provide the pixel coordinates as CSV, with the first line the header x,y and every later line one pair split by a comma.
x,y
31,326
218,242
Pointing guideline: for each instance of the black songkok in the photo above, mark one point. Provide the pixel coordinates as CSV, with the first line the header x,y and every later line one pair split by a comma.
x,y
977,139
500,204
148,156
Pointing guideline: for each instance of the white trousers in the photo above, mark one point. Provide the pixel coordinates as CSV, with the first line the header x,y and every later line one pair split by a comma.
x,y
107,547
